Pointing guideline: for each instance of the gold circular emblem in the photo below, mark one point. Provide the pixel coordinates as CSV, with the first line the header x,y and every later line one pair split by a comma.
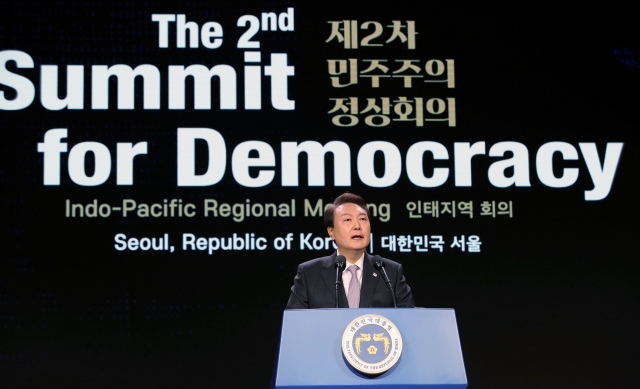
x,y
371,344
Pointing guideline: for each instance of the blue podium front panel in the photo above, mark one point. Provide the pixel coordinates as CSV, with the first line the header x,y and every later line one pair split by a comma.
x,y
311,355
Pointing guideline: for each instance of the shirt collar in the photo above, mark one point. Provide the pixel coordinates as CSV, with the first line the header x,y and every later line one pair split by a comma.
x,y
359,262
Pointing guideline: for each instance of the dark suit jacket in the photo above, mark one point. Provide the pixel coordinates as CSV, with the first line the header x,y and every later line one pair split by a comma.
x,y
315,285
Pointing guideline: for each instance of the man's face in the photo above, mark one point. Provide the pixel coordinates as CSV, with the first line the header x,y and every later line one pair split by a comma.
x,y
351,229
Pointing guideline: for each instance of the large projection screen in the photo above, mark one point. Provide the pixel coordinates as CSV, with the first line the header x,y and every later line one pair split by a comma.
x,y
165,168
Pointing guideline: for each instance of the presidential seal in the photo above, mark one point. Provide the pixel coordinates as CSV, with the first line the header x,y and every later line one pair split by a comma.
x,y
371,344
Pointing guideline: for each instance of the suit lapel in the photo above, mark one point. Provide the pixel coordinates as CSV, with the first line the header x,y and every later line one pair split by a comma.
x,y
329,273
369,282
329,276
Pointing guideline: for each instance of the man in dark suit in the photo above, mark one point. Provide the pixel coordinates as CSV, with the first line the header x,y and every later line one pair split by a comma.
x,y
363,286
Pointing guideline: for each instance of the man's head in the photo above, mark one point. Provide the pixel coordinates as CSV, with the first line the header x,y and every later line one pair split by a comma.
x,y
347,221
342,199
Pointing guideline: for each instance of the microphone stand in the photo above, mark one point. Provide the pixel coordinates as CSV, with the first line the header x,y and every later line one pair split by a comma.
x,y
380,266
339,267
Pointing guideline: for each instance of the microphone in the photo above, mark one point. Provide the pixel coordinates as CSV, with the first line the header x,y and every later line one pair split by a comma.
x,y
379,264
339,264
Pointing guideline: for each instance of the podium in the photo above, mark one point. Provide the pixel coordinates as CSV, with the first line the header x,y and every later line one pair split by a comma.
x,y
310,350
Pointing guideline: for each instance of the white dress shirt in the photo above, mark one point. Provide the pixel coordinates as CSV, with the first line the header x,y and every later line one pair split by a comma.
x,y
346,275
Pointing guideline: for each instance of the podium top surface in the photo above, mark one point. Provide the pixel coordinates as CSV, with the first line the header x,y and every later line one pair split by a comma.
x,y
311,350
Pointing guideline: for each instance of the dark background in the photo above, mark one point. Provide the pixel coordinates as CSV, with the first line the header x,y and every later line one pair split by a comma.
x,y
551,301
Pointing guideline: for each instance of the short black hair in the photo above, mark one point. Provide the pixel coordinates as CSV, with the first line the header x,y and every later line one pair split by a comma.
x,y
344,198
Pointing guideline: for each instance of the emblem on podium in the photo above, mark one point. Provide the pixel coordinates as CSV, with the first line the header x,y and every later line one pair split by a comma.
x,y
371,344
